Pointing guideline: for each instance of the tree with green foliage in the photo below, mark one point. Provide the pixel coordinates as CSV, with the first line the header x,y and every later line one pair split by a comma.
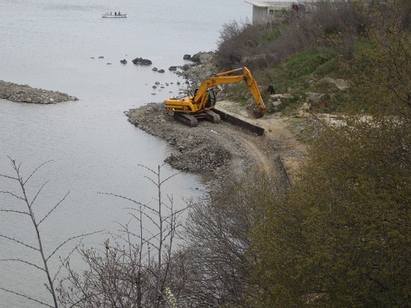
x,y
341,236
381,66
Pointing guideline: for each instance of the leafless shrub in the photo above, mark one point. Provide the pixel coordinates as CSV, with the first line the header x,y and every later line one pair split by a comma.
x,y
137,270
113,278
26,208
232,44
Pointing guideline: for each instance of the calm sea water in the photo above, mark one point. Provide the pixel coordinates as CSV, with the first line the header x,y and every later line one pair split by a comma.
x,y
56,45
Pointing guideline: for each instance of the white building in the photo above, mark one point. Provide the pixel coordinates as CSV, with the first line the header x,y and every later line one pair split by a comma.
x,y
267,11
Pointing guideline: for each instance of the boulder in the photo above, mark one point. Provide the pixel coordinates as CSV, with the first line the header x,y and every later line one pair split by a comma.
x,y
202,57
341,84
141,61
314,98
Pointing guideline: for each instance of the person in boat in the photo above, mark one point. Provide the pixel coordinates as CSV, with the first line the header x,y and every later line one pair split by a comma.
x,y
119,14
115,13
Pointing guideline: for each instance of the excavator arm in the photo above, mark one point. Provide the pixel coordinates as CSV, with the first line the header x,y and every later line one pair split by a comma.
x,y
252,85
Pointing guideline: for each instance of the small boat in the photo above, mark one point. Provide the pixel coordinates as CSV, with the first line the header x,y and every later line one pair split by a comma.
x,y
115,15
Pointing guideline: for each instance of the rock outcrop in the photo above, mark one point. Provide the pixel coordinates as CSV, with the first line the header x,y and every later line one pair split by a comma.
x,y
141,61
203,67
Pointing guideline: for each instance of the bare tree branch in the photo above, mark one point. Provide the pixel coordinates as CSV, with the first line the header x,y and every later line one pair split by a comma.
x,y
26,297
19,242
24,261
47,215
11,194
69,240
30,204
14,211
131,200
35,170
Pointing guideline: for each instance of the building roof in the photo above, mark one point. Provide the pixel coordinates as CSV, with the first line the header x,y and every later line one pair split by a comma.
x,y
274,4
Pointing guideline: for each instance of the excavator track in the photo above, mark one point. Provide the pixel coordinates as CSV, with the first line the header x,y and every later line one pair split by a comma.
x,y
212,116
216,116
186,118
192,119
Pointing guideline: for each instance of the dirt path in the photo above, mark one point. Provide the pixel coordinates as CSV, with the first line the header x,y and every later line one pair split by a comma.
x,y
263,162
278,139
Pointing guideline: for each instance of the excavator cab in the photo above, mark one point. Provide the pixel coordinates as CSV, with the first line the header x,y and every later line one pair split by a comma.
x,y
211,100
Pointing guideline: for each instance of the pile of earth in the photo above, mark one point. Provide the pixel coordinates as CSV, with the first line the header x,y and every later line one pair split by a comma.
x,y
26,94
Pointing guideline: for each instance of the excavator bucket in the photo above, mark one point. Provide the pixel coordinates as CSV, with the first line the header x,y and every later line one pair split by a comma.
x,y
258,113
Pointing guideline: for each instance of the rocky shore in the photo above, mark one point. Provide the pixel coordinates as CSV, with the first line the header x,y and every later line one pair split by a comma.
x,y
26,94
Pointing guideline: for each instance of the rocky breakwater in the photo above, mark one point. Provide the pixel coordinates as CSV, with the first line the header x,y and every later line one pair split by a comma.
x,y
26,94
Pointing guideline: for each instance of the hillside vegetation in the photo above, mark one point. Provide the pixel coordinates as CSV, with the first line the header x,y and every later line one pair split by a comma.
x,y
301,53
340,236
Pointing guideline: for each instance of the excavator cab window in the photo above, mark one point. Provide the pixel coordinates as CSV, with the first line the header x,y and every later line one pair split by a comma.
x,y
211,98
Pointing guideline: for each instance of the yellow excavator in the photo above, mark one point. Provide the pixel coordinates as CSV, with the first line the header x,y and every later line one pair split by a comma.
x,y
189,109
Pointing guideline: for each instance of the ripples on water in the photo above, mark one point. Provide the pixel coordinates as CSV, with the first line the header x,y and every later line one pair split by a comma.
x,y
50,44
